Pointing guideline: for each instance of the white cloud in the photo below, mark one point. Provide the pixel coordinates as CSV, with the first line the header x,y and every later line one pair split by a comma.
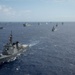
x,y
6,10
24,14
8,13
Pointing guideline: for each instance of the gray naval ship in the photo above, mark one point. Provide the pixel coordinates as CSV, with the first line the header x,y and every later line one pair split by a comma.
x,y
12,50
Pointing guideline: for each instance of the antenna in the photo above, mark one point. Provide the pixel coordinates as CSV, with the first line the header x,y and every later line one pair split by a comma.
x,y
10,38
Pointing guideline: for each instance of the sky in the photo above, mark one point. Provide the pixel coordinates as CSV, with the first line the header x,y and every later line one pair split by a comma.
x,y
37,10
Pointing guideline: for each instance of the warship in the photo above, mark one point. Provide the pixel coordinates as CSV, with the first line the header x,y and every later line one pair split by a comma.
x,y
12,50
25,25
56,25
53,29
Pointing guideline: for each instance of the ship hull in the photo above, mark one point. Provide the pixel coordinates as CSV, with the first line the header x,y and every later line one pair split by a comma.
x,y
8,58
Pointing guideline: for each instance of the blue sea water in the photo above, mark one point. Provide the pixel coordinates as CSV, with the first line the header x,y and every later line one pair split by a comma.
x,y
49,53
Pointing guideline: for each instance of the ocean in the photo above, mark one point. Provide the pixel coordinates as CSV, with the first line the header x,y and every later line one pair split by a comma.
x,y
49,53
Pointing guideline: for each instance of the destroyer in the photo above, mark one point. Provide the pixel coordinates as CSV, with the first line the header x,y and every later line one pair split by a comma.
x,y
53,29
12,50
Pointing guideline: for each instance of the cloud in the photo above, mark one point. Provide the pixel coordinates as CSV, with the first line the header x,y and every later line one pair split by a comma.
x,y
8,13
24,14
25,11
6,10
